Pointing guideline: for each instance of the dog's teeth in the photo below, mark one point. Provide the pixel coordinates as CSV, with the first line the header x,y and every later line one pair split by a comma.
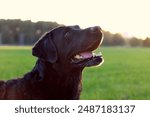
x,y
78,56
93,54
97,54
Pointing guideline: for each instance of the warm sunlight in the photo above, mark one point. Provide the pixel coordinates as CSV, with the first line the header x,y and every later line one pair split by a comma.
x,y
130,17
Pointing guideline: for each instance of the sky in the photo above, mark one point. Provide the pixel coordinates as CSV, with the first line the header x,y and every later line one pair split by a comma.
x,y
129,17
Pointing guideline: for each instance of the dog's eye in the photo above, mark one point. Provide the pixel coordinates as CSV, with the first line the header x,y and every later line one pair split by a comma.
x,y
67,35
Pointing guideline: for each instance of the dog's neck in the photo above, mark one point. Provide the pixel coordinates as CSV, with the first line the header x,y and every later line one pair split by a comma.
x,y
58,79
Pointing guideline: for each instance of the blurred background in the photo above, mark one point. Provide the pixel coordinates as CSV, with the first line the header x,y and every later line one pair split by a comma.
x,y
18,32
125,73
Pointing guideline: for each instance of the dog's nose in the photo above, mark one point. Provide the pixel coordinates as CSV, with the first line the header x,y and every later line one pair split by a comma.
x,y
95,29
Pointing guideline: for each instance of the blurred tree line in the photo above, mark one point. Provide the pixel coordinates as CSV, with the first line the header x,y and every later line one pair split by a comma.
x,y
17,32
118,40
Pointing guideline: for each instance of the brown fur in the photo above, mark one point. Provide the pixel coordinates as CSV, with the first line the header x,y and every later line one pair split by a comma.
x,y
55,76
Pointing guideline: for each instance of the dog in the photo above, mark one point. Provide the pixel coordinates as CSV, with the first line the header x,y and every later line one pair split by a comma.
x,y
62,54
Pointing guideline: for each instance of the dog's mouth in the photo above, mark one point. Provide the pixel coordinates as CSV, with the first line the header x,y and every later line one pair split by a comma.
x,y
85,55
88,57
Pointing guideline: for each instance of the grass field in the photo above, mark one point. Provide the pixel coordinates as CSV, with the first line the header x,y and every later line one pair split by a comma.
x,y
125,73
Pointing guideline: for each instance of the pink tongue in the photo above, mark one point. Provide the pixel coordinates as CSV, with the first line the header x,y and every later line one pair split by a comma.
x,y
86,54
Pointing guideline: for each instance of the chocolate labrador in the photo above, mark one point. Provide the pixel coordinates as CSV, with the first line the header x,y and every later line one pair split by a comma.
x,y
62,55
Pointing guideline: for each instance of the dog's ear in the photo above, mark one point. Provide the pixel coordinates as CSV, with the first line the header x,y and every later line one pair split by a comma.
x,y
45,48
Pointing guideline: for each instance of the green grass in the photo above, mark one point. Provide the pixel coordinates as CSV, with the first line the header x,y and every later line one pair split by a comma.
x,y
15,61
125,73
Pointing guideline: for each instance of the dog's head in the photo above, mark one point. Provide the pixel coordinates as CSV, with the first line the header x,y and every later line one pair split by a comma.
x,y
70,45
